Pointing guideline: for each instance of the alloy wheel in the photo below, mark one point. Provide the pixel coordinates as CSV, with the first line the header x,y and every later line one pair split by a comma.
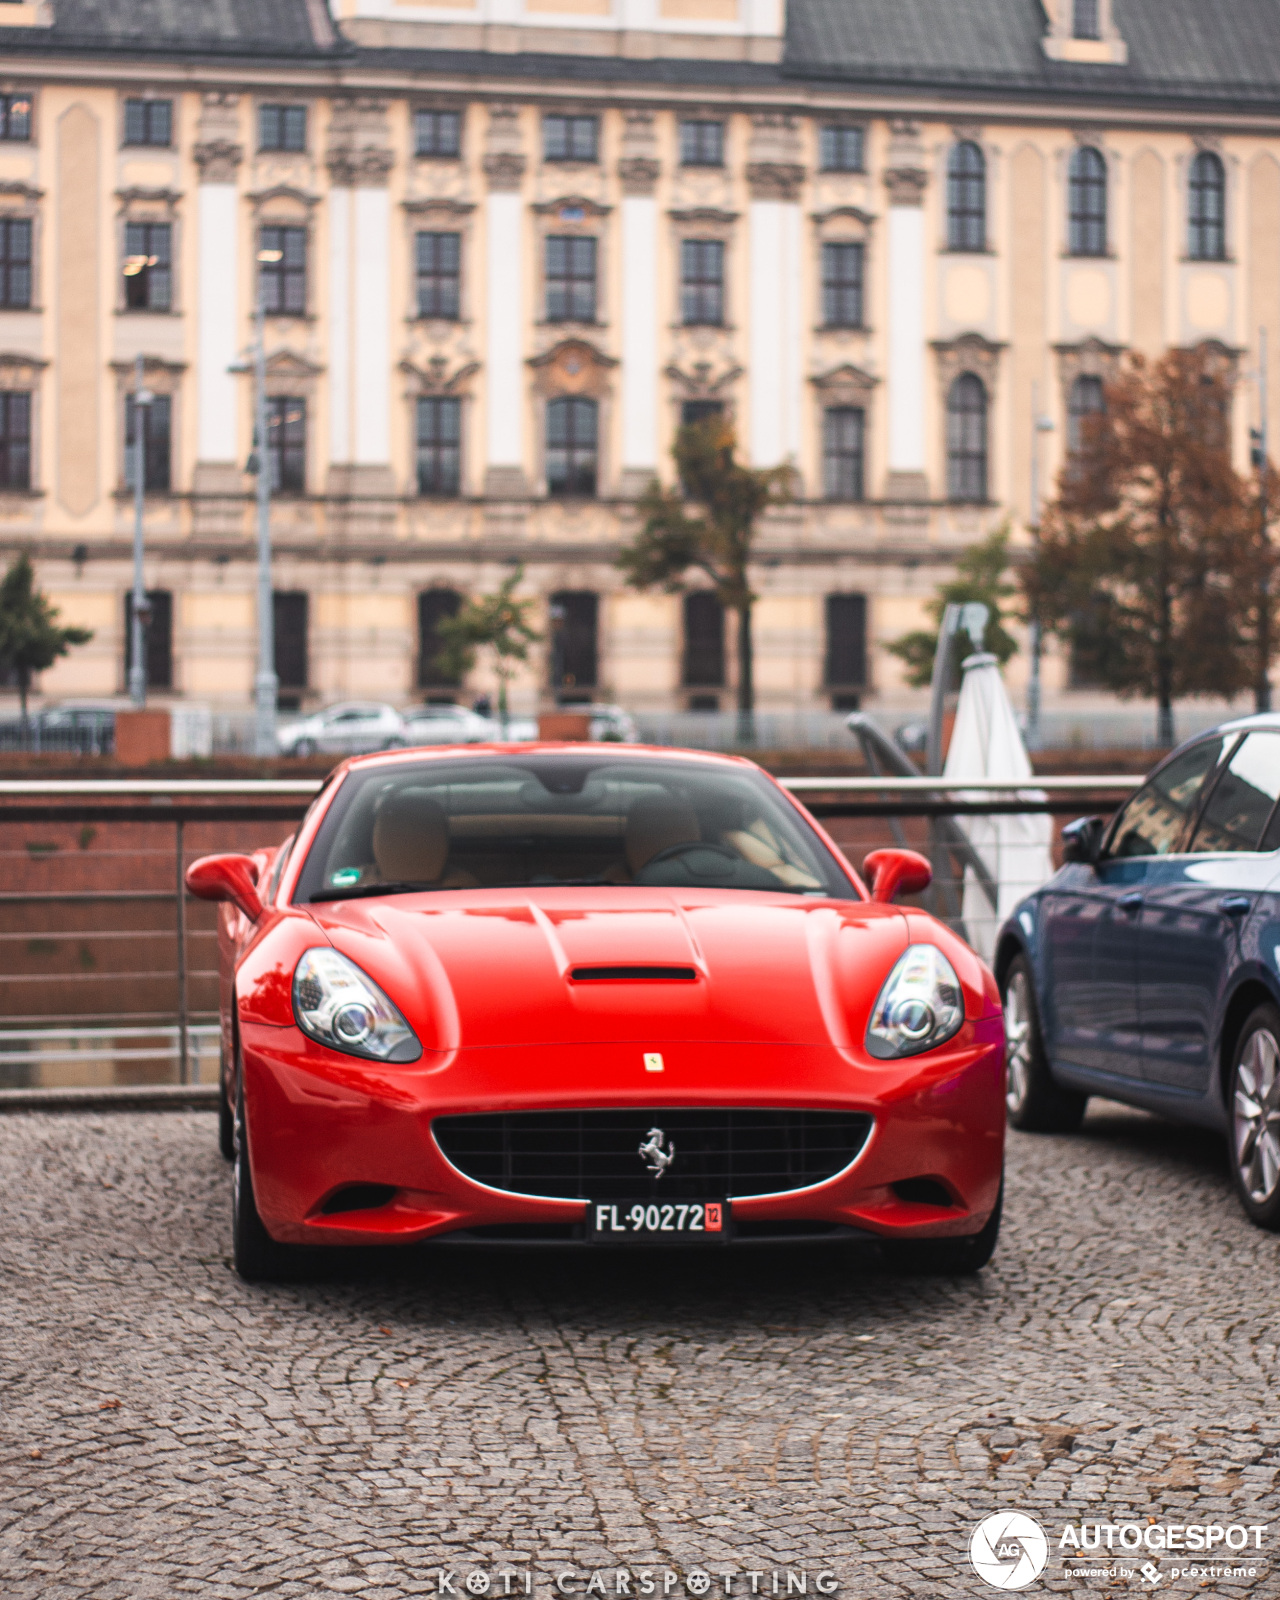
x,y
1256,1116
1017,1038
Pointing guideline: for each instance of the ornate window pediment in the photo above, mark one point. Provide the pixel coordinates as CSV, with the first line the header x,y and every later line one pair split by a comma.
x,y
845,385
572,366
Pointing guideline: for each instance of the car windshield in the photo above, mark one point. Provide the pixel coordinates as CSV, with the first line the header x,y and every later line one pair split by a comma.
x,y
541,820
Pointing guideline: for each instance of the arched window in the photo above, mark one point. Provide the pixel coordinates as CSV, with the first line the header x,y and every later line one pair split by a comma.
x,y
1085,400
571,446
1207,208
967,198
967,439
1087,203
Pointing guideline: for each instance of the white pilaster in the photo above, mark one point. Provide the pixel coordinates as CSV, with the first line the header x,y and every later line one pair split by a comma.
x,y
218,348
340,326
372,363
505,386
774,298
639,335
906,376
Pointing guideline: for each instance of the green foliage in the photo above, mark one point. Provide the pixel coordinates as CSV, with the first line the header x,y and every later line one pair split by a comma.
x,y
497,623
706,525
981,575
30,637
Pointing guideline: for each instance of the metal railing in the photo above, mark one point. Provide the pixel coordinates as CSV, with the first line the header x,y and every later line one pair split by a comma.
x,y
108,967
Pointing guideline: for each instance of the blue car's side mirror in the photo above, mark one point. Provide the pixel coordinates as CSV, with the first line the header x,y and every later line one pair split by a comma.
x,y
1082,839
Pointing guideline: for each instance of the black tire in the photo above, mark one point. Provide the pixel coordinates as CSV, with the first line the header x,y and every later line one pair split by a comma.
x,y
1253,1106
226,1120
1035,1103
947,1257
255,1254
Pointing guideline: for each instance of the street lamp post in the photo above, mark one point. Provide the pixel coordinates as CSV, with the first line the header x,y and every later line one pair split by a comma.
x,y
1262,690
142,398
1039,425
265,684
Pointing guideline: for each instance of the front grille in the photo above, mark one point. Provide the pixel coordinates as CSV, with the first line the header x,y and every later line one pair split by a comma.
x,y
594,1155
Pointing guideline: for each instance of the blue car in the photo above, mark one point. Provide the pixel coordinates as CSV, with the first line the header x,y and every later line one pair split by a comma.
x,y
1148,968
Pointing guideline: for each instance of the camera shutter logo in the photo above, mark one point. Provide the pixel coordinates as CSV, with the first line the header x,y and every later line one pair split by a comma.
x,y
1008,1550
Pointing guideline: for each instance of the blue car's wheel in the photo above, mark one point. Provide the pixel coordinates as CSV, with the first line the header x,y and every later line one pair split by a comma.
x,y
1034,1101
1255,1117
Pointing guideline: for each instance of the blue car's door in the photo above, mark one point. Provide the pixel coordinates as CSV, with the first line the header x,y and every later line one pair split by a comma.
x,y
1195,907
1151,827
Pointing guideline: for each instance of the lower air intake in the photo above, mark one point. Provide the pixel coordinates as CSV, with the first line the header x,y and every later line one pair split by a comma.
x,y
595,1155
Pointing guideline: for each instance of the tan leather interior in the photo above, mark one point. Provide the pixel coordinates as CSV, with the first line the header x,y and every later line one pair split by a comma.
x,y
410,838
654,824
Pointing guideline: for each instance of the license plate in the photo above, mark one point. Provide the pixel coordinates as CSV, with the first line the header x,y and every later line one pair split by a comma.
x,y
651,1221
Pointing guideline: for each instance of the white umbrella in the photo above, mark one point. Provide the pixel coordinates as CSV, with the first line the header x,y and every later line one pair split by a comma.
x,y
1015,850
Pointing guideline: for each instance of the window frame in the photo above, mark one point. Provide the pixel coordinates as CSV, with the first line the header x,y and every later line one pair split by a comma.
x,y
1088,228
832,458
155,276
9,443
1227,748
832,601
570,124
9,263
291,452
1086,19
1210,788
158,442
281,599
837,290
697,291
428,675
967,198
281,272
438,449
432,153
569,484
447,284
567,282
1077,413
963,458
287,113
146,105
692,133
832,137
6,117
161,602
1204,232
713,672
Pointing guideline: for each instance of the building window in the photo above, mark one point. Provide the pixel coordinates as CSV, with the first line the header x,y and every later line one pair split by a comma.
x,y
1085,400
967,439
15,117
1207,208
702,144
157,635
287,443
840,149
437,133
439,263
15,263
439,444
843,433
282,267
845,670
156,437
571,279
575,617
967,197
282,127
703,664
1087,203
1085,20
702,282
15,439
289,610
434,607
148,122
571,446
148,274
842,285
570,138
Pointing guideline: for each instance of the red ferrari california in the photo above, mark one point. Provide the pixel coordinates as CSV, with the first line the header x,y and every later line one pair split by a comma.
x,y
595,994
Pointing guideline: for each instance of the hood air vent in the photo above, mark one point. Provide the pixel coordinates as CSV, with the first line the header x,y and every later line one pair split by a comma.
x,y
627,974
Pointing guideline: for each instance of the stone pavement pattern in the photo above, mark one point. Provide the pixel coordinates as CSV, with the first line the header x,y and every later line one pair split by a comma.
x,y
166,1430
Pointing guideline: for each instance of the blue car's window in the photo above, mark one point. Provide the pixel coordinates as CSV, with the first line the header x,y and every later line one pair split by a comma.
x,y
1155,820
544,819
1242,799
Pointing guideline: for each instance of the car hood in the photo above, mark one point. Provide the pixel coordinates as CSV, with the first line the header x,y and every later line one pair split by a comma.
x,y
490,968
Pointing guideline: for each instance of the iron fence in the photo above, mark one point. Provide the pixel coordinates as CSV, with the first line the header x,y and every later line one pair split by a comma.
x,y
108,968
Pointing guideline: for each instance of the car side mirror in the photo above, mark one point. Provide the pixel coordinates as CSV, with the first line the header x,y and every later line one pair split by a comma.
x,y
1082,840
894,872
229,877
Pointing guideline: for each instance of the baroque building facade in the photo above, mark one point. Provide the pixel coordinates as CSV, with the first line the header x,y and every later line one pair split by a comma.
x,y
503,250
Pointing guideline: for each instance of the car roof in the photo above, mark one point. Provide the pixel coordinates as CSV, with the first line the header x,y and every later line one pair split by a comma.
x,y
496,750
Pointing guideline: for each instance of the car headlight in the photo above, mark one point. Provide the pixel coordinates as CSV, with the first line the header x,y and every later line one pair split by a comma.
x,y
338,1005
920,1006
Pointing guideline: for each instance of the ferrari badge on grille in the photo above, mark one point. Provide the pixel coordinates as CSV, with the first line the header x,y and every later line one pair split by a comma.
x,y
658,1151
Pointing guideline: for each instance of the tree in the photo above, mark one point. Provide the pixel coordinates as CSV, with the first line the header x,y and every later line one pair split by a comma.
x,y
716,539
30,638
1144,555
498,623
980,576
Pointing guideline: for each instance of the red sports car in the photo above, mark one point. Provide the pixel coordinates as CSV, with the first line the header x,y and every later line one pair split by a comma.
x,y
600,994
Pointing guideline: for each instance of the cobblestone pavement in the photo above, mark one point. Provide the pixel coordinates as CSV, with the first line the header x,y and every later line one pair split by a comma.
x,y
168,1431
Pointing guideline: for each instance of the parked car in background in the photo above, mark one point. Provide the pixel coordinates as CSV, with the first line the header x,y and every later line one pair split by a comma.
x,y
611,723
81,727
447,724
1148,968
353,727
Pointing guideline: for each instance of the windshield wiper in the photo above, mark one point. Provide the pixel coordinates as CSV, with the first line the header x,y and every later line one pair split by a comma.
x,y
364,891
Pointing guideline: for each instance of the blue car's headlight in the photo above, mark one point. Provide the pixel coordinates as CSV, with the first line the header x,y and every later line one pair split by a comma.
x,y
920,1006
338,1005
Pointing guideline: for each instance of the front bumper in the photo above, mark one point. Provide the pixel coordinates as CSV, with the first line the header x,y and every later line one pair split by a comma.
x,y
321,1123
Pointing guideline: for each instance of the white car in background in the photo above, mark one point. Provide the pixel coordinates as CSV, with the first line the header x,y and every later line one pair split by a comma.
x,y
448,724
351,728
610,723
